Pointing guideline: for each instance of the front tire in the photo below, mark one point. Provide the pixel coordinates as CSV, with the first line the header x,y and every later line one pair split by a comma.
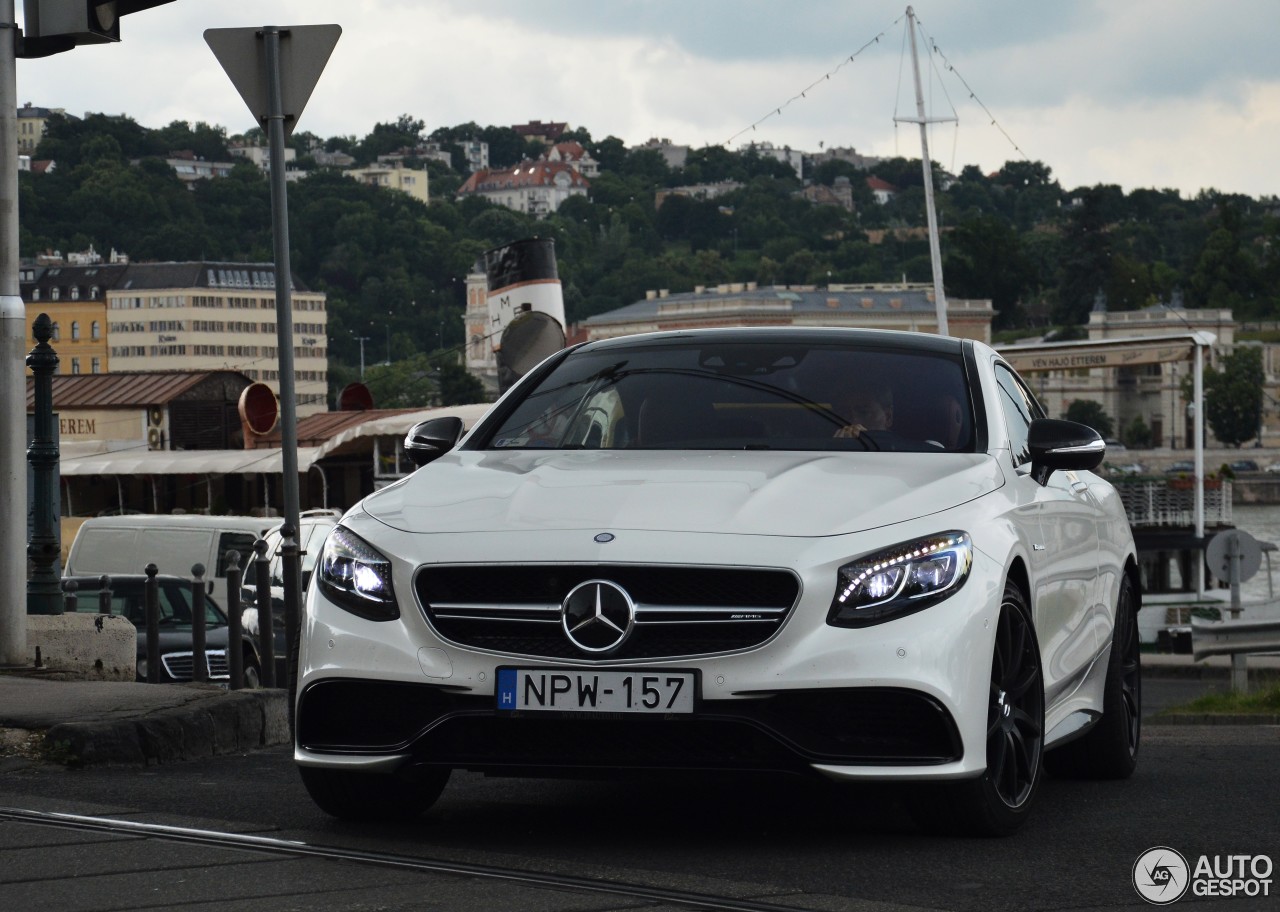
x,y
1109,750
353,795
999,801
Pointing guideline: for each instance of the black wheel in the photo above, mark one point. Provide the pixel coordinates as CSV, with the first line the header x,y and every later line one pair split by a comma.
x,y
352,795
999,801
1109,750
252,676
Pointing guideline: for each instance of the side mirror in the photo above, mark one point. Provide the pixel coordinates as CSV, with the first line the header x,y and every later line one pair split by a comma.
x,y
432,439
1062,446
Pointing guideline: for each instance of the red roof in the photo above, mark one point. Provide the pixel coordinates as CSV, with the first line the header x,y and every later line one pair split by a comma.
x,y
876,183
525,174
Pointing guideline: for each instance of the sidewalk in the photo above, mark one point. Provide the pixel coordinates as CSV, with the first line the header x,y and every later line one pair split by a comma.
x,y
113,722
110,722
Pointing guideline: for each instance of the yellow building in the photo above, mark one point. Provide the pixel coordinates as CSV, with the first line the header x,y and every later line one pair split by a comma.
x,y
75,298
195,316
31,121
394,177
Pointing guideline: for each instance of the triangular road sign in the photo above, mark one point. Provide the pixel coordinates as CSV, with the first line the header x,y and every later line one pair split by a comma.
x,y
304,51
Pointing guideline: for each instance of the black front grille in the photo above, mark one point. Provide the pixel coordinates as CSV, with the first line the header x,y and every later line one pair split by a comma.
x,y
785,730
179,665
680,611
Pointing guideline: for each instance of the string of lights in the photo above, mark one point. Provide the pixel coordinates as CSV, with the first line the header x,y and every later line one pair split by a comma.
x,y
777,112
933,47
973,96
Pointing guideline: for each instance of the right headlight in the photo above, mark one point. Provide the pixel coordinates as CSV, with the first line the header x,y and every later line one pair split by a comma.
x,y
353,574
900,580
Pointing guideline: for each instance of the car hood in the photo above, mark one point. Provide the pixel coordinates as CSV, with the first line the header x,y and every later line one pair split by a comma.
x,y
735,492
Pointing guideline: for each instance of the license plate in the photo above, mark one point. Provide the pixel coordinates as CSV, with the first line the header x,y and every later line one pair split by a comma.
x,y
552,689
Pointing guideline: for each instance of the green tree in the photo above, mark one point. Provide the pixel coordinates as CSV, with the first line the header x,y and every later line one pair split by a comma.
x,y
1086,411
1137,434
1233,395
1086,258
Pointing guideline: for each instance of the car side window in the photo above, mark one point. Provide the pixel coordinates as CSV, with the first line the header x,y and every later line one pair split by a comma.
x,y
235,541
1020,409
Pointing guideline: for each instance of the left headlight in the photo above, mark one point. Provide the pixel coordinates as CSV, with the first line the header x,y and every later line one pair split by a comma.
x,y
356,576
900,580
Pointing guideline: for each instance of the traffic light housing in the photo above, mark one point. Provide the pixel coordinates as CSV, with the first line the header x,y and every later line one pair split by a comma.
x,y
53,26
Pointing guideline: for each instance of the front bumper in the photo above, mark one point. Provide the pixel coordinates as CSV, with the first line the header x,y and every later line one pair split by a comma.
x,y
906,699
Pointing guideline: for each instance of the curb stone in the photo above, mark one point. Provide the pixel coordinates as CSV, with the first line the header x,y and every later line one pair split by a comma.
x,y
239,721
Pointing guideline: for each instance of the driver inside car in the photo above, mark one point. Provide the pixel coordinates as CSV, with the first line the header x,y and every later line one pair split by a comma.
x,y
866,405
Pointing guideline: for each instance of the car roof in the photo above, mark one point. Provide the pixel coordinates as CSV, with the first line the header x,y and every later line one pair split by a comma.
x,y
871,338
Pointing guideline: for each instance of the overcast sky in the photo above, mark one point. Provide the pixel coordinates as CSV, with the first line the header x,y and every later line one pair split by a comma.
x,y
1181,94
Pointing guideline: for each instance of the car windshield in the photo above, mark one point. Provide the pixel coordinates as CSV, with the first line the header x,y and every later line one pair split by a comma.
x,y
734,395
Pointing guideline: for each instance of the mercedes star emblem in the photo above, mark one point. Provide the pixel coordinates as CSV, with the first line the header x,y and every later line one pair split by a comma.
x,y
597,616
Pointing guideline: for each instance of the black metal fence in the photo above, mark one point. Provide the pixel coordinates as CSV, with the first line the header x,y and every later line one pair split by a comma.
x,y
245,661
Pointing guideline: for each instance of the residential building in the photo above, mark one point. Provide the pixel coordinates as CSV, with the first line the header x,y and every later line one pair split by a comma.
x,y
575,156
790,156
675,156
537,188
261,155
332,159
844,154
874,306
74,295
190,169
477,154
216,316
696,191
394,176
545,133
31,122
840,193
882,190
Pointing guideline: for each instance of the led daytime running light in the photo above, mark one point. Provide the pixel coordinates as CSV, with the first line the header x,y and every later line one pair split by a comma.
x,y
956,541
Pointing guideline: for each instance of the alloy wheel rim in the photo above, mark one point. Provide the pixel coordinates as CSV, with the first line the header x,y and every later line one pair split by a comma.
x,y
1130,678
1015,728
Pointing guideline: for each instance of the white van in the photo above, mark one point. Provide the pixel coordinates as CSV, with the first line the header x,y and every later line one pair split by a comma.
x,y
126,544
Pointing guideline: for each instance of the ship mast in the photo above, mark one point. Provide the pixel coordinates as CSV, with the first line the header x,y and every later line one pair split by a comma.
x,y
935,256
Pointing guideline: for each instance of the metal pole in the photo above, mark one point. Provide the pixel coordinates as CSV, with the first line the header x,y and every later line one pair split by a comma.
x,y
13,380
284,331
266,623
151,602
199,640
104,594
43,548
235,636
1197,392
935,254
1239,663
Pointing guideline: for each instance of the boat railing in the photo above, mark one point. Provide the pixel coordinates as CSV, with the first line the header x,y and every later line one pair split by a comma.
x,y
1172,502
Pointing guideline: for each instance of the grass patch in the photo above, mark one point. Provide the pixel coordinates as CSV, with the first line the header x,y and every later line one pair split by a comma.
x,y
1266,700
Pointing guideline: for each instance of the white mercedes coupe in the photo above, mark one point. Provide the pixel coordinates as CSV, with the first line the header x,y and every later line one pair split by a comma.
x,y
858,554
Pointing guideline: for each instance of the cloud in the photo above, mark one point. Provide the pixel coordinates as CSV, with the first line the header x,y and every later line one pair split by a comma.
x,y
1169,92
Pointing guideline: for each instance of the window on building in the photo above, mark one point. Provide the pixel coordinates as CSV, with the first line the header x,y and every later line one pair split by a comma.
x,y
95,366
75,330
55,332
75,292
75,365
95,331
53,293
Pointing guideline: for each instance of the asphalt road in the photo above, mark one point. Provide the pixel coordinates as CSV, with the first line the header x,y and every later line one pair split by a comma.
x,y
1201,790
